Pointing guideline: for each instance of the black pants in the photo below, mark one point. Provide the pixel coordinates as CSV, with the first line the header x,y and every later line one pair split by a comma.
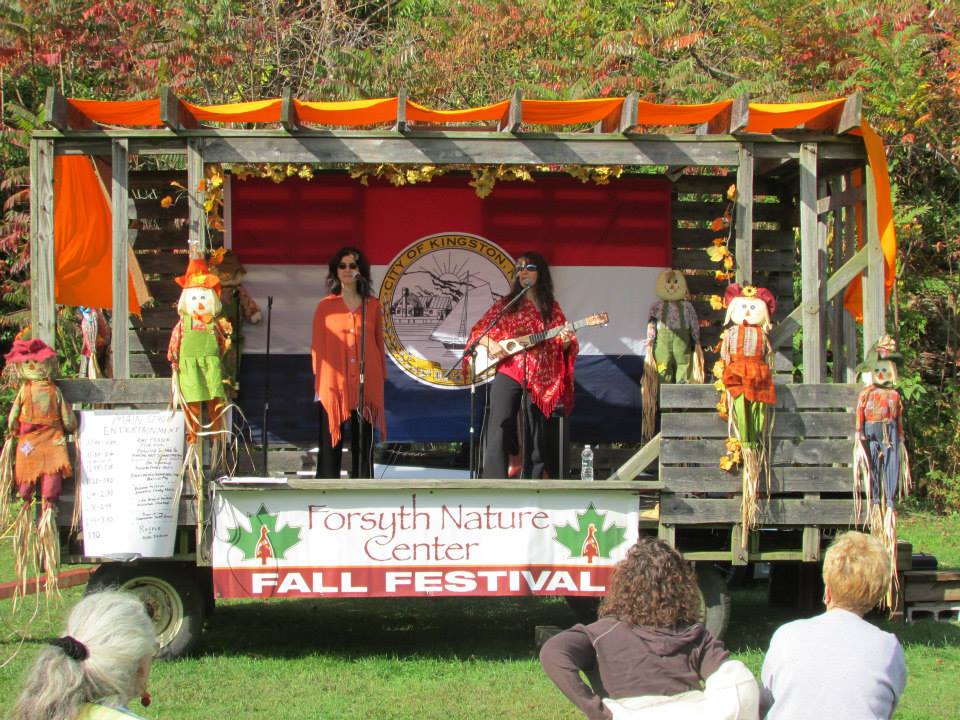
x,y
330,455
501,433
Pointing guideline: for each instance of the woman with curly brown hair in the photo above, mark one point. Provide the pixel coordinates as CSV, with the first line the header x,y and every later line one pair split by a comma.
x,y
648,648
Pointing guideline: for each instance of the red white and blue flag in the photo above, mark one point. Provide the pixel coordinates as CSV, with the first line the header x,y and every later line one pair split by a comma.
x,y
440,257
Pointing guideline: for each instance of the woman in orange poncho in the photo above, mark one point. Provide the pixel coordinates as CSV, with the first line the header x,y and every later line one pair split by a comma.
x,y
335,353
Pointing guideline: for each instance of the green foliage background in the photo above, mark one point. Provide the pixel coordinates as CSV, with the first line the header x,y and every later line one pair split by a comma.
x,y
903,55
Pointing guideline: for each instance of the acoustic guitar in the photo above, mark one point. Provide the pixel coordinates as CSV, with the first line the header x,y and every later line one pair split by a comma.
x,y
484,364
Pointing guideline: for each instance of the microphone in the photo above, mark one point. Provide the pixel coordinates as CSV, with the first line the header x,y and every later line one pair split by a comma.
x,y
361,282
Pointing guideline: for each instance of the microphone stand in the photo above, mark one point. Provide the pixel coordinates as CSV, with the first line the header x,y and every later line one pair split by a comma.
x,y
470,351
266,388
359,443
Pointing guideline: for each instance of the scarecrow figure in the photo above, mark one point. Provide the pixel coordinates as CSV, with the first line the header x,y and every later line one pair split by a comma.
x,y
748,384
673,352
38,425
881,465
95,354
238,306
198,343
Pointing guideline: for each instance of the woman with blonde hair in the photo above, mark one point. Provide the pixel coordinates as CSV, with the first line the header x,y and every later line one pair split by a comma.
x,y
101,662
838,665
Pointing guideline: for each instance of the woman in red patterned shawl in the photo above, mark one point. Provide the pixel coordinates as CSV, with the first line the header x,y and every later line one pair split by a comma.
x,y
545,368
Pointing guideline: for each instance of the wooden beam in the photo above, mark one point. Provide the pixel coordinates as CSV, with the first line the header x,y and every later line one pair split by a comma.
x,y
288,112
835,285
401,124
513,118
174,114
56,109
119,199
743,228
197,236
43,315
638,462
740,113
628,114
812,300
874,299
841,198
479,148
63,116
851,115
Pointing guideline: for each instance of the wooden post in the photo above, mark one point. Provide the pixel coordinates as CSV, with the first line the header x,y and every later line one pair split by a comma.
x,y
744,216
813,295
849,249
197,237
43,316
836,313
874,322
119,199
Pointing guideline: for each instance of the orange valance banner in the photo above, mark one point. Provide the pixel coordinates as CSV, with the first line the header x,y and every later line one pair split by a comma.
x,y
129,112
82,237
257,111
487,113
654,114
348,112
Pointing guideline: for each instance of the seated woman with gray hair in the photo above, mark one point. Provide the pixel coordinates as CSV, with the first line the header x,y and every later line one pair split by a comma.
x,y
100,663
838,665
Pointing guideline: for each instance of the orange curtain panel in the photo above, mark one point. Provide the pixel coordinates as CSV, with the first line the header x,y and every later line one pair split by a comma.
x,y
82,229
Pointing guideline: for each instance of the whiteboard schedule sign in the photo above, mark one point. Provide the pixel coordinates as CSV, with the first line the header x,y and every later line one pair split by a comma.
x,y
130,464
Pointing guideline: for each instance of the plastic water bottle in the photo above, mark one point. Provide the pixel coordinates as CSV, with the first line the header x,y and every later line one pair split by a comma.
x,y
586,463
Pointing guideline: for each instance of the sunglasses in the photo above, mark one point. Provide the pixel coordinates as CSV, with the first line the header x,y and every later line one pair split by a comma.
x,y
529,267
347,266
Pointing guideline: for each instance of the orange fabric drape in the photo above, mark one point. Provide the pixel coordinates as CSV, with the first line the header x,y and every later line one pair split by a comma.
x,y
767,117
569,112
420,113
655,114
256,111
853,297
129,112
82,231
350,112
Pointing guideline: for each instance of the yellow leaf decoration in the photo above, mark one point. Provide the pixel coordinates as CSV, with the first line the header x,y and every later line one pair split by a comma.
x,y
166,202
718,252
728,262
732,193
726,463
716,302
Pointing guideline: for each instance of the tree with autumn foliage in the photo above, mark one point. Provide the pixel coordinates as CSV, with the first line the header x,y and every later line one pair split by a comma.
x,y
904,56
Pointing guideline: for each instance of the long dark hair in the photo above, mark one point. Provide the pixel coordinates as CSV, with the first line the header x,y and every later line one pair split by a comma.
x,y
363,267
543,287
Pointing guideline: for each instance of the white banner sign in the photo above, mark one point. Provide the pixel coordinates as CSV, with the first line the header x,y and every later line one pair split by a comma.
x,y
308,543
129,481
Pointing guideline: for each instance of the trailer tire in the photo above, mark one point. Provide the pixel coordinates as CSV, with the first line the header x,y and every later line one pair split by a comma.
x,y
172,595
715,598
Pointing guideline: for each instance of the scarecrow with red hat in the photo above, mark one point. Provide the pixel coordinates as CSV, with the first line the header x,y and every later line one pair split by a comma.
x,y
748,383
198,343
35,456
881,464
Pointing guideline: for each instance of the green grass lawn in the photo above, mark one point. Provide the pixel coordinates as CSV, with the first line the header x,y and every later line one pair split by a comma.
x,y
439,658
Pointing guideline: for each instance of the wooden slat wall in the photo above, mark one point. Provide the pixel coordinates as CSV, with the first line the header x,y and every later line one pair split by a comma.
x,y
697,201
812,454
161,249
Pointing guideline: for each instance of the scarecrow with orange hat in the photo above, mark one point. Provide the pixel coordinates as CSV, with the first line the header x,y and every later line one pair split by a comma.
x,y
37,427
748,383
198,343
